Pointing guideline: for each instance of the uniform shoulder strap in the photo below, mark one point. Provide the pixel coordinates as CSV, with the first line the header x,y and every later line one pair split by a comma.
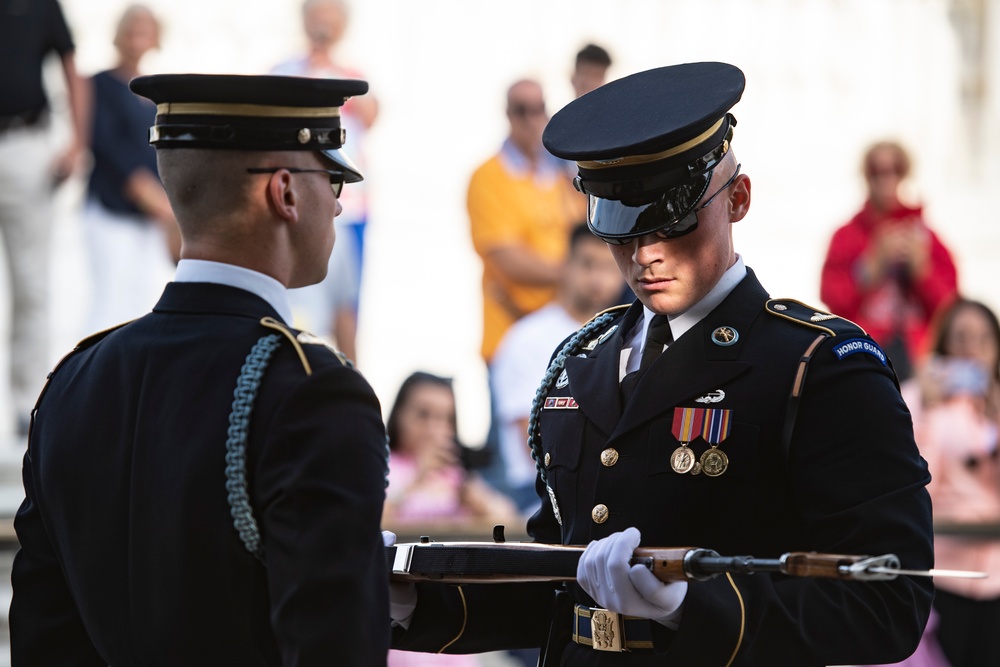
x,y
814,318
826,325
247,386
300,338
82,345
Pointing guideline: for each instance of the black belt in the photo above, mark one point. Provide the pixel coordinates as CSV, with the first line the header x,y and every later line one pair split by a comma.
x,y
22,119
605,630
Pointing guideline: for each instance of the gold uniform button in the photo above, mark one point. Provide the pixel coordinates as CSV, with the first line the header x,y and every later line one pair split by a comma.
x,y
599,514
548,459
609,457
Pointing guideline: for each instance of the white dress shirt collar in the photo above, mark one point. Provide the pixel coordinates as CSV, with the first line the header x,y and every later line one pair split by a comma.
x,y
680,323
266,287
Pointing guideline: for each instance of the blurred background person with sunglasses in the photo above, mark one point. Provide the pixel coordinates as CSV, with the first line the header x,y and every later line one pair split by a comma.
x,y
521,207
129,228
886,269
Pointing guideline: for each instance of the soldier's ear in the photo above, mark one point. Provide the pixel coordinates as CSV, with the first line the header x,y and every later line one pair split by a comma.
x,y
739,198
282,198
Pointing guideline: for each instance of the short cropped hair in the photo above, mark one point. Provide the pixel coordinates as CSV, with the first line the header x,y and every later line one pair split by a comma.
x,y
593,54
578,234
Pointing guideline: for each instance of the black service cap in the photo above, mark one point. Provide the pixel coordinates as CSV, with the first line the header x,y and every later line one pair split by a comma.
x,y
260,113
648,131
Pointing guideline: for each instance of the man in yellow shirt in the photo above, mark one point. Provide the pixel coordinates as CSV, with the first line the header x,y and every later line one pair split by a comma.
x,y
521,207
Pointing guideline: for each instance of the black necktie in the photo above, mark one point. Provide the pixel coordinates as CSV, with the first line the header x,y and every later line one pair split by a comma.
x,y
657,335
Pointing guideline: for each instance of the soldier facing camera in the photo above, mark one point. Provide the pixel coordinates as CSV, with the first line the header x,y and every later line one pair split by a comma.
x,y
704,414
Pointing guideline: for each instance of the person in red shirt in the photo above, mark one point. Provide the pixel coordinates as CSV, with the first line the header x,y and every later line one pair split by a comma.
x,y
886,270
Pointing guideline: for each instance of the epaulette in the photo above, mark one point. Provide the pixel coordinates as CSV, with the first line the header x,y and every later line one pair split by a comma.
x,y
602,335
300,338
800,313
97,337
83,344
86,342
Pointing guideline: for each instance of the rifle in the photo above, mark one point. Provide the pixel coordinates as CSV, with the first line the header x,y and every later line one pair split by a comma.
x,y
507,562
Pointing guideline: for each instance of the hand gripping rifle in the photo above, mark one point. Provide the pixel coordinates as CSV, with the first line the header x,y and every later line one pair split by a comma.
x,y
506,562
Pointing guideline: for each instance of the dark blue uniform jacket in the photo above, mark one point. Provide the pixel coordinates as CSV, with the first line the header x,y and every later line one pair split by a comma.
x,y
128,553
851,481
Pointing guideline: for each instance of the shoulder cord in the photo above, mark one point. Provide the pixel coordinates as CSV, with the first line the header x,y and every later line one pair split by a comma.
x,y
244,395
571,347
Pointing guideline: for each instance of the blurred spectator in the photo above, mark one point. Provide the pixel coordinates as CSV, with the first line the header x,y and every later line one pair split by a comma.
x,y
521,206
955,402
129,228
427,481
520,210
590,70
329,309
29,32
590,283
886,269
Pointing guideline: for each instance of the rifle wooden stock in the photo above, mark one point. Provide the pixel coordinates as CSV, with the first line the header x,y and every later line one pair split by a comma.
x,y
486,562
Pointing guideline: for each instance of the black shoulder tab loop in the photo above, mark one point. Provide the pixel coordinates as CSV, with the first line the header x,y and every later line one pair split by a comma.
x,y
814,318
792,410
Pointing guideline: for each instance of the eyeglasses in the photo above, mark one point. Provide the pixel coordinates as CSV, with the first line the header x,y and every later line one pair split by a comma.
x,y
881,171
336,177
523,109
648,219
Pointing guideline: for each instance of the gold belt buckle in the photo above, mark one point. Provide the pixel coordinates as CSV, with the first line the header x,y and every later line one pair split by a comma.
x,y
606,630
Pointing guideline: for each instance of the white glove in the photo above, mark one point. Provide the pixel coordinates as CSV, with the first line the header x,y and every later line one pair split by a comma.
x,y
402,597
604,572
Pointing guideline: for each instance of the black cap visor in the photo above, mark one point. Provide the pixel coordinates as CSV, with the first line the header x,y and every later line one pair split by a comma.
x,y
351,172
670,214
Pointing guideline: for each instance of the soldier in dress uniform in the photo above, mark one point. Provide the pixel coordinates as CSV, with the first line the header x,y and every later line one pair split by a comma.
x,y
706,414
204,485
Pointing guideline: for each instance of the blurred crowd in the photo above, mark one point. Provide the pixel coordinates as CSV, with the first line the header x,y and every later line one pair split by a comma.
x,y
544,275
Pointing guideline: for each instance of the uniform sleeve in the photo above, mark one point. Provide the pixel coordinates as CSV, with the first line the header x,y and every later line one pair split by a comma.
x,y
857,484
320,485
45,626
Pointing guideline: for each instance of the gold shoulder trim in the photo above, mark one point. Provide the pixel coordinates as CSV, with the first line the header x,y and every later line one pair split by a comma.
x,y
281,327
307,338
613,310
94,337
804,314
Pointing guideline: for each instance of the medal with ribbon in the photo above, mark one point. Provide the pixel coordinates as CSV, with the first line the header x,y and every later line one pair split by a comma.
x,y
688,425
715,428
